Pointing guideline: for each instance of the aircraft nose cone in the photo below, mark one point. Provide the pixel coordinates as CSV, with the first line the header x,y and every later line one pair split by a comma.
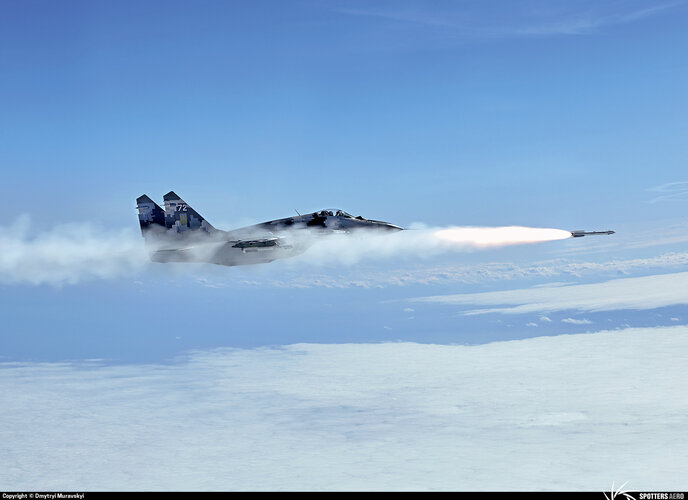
x,y
390,227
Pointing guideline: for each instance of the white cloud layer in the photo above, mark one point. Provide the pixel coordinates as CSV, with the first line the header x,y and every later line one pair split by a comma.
x,y
671,191
647,292
422,272
573,412
574,321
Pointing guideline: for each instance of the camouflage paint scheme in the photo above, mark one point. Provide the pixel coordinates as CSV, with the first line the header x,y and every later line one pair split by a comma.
x,y
180,234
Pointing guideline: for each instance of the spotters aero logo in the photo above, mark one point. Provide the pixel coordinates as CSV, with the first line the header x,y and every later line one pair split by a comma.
x,y
619,494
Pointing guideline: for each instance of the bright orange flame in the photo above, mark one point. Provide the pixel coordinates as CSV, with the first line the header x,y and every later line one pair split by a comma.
x,y
500,236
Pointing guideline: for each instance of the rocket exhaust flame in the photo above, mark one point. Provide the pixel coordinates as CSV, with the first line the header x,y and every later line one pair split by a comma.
x,y
499,236
420,243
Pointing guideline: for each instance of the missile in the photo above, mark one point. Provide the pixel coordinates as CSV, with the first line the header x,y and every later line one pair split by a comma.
x,y
580,234
261,243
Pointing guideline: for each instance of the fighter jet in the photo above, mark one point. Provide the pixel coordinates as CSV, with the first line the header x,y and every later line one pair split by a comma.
x,y
180,234
580,234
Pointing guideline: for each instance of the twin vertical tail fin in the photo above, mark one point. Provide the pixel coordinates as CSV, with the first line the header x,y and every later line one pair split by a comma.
x,y
178,217
151,217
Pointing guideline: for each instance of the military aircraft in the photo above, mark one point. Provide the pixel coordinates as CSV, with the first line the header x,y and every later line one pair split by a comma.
x,y
180,234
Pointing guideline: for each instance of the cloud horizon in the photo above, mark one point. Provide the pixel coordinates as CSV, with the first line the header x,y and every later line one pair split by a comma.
x,y
390,416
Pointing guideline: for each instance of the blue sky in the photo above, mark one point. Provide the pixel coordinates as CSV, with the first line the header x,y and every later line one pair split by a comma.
x,y
567,114
313,104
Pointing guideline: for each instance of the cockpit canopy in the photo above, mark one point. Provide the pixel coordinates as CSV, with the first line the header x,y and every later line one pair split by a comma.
x,y
332,212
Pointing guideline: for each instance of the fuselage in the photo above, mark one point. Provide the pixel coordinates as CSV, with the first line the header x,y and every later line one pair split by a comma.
x,y
266,241
328,220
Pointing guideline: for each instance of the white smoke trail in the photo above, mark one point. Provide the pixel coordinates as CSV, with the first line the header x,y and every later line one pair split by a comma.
x,y
72,253
420,243
68,253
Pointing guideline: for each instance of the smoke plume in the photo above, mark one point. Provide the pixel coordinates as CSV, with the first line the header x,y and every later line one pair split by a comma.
x,y
67,253
421,242
72,253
